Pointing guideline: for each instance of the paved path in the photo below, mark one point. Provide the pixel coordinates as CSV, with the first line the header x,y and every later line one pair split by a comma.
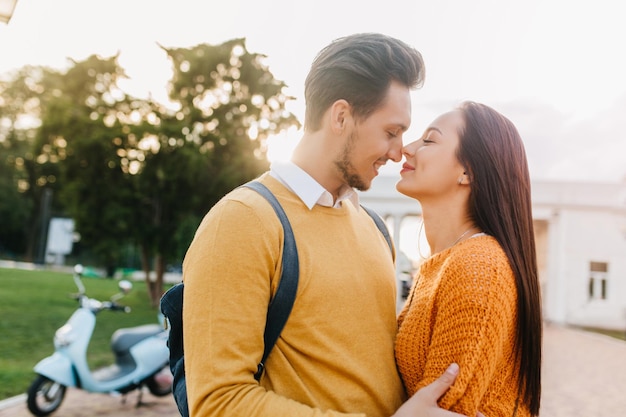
x,y
80,404
584,376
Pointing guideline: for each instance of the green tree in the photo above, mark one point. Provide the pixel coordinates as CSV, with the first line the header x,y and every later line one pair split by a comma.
x,y
133,171
226,102
14,208
82,133
26,179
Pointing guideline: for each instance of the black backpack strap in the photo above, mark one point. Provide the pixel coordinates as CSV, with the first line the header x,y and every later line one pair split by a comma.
x,y
381,226
280,306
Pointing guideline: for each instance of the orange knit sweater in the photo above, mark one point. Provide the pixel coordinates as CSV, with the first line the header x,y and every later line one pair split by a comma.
x,y
462,309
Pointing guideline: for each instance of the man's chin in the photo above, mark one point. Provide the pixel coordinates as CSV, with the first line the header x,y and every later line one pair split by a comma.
x,y
363,185
359,183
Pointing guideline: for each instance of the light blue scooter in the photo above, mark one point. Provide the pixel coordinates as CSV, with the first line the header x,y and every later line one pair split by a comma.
x,y
141,357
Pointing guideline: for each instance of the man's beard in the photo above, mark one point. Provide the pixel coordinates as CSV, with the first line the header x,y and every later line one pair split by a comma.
x,y
344,165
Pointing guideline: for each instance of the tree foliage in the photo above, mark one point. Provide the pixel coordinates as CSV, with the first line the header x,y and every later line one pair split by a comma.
x,y
14,210
135,171
26,176
228,104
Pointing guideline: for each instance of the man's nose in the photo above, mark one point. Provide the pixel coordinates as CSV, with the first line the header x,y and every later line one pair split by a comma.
x,y
395,151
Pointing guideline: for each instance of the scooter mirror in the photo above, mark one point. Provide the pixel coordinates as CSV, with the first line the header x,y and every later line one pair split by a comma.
x,y
78,268
125,286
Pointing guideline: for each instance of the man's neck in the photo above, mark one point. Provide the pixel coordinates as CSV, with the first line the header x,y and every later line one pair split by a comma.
x,y
313,157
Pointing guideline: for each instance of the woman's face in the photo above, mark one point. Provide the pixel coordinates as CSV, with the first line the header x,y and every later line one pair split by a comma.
x,y
431,168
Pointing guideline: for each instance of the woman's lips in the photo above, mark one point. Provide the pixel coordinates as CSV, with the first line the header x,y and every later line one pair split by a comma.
x,y
406,167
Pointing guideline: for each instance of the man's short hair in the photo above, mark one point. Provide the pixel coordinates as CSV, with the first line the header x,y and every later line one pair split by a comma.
x,y
359,69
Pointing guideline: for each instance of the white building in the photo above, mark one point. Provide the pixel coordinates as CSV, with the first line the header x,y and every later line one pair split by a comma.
x,y
580,231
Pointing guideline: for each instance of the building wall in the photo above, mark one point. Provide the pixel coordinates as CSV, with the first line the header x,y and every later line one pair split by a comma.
x,y
591,236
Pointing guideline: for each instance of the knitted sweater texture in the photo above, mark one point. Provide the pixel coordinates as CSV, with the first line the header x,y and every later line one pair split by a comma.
x,y
462,309
335,356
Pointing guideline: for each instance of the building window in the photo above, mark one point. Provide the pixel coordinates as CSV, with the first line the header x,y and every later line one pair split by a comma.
x,y
598,276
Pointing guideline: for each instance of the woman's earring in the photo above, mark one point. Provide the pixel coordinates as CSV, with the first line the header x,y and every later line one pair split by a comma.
x,y
460,181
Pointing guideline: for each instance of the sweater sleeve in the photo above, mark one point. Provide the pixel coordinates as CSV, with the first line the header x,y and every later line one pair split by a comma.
x,y
473,325
228,272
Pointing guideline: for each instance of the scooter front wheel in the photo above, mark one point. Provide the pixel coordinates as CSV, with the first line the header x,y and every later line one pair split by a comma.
x,y
44,396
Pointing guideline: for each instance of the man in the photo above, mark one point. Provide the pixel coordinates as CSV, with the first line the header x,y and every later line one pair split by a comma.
x,y
335,355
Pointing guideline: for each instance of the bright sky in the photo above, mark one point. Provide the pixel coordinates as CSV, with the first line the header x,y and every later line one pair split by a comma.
x,y
554,67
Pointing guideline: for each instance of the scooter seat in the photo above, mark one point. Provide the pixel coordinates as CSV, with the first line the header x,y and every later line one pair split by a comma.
x,y
123,339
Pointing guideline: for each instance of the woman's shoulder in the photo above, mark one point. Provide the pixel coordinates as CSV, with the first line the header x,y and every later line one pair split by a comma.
x,y
480,247
479,256
480,266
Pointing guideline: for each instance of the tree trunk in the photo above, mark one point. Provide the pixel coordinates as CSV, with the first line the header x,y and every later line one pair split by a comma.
x,y
157,290
147,269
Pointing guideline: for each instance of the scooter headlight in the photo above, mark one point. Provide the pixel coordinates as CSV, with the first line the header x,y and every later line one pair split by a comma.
x,y
64,336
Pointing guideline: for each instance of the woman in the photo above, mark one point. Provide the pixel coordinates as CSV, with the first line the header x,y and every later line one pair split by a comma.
x,y
476,298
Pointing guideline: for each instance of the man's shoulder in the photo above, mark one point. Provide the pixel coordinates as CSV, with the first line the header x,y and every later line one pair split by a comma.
x,y
245,203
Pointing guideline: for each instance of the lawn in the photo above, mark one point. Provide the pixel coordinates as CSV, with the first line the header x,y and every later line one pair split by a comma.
x,y
617,334
33,304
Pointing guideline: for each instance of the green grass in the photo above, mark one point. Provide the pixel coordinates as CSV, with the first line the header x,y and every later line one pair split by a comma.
x,y
617,334
33,304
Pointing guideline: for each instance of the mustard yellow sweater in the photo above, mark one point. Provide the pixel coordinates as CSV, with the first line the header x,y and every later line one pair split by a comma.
x,y
335,355
462,309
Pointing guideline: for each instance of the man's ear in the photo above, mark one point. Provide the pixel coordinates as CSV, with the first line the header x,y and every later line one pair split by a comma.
x,y
340,114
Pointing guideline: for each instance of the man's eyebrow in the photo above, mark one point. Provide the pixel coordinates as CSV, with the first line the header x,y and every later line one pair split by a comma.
x,y
401,126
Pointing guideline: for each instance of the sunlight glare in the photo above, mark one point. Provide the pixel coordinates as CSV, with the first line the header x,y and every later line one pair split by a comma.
x,y
281,146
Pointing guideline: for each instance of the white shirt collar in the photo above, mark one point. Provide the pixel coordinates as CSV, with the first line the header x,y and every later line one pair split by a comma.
x,y
306,188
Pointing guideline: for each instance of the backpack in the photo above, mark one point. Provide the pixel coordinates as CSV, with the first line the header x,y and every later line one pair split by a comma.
x,y
171,304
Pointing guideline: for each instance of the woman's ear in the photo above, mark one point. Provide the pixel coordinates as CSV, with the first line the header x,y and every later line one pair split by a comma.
x,y
464,179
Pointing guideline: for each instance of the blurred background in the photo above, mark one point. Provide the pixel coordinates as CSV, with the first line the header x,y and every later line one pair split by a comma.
x,y
121,123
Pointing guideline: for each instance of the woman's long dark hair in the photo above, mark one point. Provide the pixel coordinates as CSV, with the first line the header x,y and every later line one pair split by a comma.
x,y
492,152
